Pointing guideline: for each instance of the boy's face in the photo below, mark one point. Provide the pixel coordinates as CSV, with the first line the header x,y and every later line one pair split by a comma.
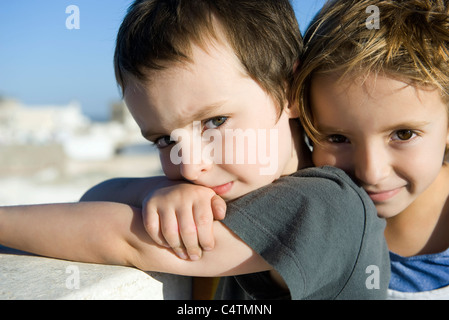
x,y
209,106
389,136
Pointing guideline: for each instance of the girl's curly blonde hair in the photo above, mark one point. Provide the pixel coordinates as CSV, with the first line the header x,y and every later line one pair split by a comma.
x,y
410,42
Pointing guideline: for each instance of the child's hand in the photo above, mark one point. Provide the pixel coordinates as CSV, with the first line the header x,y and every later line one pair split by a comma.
x,y
181,217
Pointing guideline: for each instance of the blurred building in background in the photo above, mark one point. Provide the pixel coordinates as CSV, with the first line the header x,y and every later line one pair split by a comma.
x,y
59,148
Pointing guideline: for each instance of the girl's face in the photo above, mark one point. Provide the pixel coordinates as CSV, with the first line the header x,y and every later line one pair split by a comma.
x,y
388,135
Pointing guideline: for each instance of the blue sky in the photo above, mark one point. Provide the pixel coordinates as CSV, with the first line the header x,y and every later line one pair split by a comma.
x,y
42,62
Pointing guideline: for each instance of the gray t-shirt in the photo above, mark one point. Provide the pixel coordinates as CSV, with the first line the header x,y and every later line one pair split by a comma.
x,y
319,231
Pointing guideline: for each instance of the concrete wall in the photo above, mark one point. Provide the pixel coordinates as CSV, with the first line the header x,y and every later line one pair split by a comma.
x,y
28,277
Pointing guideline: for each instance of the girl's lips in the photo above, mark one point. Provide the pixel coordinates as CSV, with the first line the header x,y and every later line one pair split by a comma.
x,y
224,188
383,195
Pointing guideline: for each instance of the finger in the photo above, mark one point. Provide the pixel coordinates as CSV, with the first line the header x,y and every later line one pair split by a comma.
x,y
188,231
170,231
204,224
152,225
218,207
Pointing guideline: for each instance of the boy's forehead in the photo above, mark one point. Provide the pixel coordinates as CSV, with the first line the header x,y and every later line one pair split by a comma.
x,y
212,53
185,90
216,62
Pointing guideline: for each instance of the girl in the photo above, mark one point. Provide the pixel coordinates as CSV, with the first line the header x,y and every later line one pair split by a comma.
x,y
374,100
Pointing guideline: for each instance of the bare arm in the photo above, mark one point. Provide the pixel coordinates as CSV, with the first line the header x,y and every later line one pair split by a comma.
x,y
195,226
131,191
111,233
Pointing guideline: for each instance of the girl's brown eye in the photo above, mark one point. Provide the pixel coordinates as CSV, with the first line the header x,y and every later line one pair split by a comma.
x,y
405,134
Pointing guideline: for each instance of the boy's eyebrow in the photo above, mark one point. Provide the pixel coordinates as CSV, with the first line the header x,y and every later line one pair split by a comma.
x,y
203,113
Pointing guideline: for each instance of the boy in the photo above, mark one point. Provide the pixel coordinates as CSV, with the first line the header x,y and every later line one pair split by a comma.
x,y
375,102
227,65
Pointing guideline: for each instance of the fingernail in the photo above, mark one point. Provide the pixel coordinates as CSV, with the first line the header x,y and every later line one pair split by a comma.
x,y
194,257
182,255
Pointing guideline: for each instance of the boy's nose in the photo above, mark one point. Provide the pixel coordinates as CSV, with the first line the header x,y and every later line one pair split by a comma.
x,y
193,161
371,166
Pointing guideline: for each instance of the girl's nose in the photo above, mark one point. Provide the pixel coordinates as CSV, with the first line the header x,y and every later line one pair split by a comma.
x,y
371,165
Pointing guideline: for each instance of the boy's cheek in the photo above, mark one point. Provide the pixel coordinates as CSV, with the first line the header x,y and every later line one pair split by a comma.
x,y
171,170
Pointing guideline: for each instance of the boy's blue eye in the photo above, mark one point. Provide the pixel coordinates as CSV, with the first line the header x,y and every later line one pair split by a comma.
x,y
163,142
215,122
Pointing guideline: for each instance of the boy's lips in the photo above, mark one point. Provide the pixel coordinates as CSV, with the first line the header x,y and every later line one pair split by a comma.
x,y
224,188
381,196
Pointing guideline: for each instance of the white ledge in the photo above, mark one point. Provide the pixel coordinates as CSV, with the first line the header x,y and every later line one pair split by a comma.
x,y
28,277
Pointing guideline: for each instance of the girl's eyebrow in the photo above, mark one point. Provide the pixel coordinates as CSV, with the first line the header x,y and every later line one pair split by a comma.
x,y
328,128
406,125
401,125
202,113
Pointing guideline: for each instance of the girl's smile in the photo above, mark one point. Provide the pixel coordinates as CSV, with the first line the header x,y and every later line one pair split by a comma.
x,y
382,196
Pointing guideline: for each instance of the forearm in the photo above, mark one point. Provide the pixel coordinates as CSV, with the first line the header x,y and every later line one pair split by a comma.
x,y
87,232
131,191
111,233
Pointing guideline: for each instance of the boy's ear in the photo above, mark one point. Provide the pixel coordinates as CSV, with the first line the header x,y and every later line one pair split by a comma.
x,y
296,66
292,110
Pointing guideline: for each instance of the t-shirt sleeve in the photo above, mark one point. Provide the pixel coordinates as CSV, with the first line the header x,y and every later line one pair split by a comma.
x,y
309,226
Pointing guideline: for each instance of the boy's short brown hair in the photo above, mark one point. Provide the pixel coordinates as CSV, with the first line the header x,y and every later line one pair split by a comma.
x,y
264,35
410,42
